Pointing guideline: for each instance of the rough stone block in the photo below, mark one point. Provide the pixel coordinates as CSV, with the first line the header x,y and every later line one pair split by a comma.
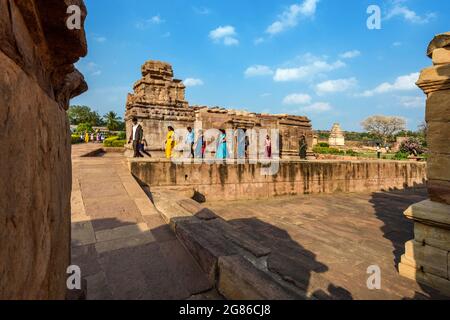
x,y
438,138
438,106
441,56
439,191
432,260
433,236
240,280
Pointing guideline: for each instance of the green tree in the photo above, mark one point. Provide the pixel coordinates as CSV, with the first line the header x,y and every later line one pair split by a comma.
x,y
84,114
113,122
84,127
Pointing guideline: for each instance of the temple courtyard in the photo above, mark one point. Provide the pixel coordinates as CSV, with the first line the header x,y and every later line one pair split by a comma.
x,y
321,245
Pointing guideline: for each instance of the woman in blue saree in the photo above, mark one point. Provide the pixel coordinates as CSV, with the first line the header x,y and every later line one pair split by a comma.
x,y
221,152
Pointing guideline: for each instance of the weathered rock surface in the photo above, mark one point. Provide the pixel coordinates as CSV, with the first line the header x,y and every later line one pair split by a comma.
x,y
37,79
426,258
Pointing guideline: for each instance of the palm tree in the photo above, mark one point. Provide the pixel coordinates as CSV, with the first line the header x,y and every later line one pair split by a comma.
x,y
112,121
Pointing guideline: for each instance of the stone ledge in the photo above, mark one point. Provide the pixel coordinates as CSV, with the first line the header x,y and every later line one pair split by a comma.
x,y
430,213
241,280
224,253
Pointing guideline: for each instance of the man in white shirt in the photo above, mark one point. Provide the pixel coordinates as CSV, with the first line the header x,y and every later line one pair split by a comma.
x,y
137,135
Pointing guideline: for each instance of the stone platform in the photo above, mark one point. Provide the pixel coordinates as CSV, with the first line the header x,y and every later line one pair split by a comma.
x,y
220,181
124,248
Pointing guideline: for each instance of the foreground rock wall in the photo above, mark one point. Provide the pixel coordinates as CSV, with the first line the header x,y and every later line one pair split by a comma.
x,y
236,182
37,80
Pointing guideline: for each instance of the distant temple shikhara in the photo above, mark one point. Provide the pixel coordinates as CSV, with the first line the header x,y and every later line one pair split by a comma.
x,y
159,101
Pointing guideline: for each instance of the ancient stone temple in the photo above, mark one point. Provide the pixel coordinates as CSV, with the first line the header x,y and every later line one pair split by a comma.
x,y
337,138
427,256
159,101
37,80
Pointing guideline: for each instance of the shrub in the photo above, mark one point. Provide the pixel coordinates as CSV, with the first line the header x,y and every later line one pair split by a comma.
x,y
114,142
351,153
76,139
119,143
109,141
324,145
327,150
401,155
412,146
82,127
122,135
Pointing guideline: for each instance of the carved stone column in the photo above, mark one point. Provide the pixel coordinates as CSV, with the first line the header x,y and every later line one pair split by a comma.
x,y
427,258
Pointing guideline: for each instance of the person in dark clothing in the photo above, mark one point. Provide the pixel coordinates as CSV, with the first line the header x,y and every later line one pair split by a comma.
x,y
137,134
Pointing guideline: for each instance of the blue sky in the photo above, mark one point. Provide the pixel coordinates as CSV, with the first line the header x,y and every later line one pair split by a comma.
x,y
306,57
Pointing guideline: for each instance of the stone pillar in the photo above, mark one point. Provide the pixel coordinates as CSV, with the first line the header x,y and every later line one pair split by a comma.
x,y
37,81
427,257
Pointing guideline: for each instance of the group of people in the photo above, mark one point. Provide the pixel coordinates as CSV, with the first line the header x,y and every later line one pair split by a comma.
x,y
197,148
92,137
196,145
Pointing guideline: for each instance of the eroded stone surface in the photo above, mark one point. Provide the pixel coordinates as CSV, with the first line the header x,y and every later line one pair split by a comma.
x,y
37,79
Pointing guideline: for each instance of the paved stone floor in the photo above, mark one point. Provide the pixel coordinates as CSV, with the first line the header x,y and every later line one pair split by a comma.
x,y
321,243
325,243
124,248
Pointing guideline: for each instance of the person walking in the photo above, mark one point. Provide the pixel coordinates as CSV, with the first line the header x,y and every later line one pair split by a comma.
x,y
170,142
86,137
378,151
142,148
200,146
268,148
221,152
190,141
137,134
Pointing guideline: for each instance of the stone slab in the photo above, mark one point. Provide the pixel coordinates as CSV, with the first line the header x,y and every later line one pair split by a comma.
x,y
433,236
121,232
431,259
240,280
82,233
121,243
430,213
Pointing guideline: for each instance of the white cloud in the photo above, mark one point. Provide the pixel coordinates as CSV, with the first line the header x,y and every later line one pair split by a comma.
x,y
258,40
315,66
350,54
192,82
411,102
317,107
332,86
397,44
144,24
292,15
258,70
399,10
297,98
156,20
226,35
402,83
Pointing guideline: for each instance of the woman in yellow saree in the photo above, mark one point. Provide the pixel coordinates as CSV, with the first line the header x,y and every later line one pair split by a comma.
x,y
170,142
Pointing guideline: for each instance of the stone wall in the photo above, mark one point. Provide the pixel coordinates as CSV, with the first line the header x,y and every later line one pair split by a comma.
x,y
37,80
236,182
